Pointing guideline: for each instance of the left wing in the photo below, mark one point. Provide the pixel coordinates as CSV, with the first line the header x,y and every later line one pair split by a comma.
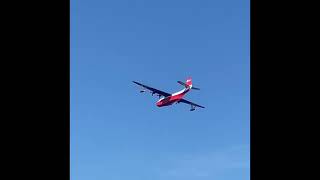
x,y
191,103
153,90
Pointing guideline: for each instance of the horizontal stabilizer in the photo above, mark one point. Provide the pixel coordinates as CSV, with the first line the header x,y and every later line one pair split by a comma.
x,y
185,85
182,83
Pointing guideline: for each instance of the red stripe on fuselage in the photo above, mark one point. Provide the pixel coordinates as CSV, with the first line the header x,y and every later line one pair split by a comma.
x,y
171,99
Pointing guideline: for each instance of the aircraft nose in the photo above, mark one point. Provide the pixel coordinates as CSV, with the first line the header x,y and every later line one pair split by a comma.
x,y
158,103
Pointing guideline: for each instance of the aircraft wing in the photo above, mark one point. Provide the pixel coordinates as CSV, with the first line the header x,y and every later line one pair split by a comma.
x,y
153,90
191,103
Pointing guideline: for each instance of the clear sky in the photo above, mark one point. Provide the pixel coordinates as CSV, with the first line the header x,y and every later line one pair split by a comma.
x,y
118,133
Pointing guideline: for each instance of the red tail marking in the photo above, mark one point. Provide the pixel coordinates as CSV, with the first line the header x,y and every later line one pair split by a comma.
x,y
189,81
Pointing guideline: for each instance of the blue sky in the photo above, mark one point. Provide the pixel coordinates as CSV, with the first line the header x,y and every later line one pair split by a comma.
x,y
116,132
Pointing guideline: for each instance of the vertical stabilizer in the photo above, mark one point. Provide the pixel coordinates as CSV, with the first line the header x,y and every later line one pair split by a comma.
x,y
189,83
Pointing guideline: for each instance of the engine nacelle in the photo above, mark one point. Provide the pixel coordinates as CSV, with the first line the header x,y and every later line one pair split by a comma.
x,y
192,108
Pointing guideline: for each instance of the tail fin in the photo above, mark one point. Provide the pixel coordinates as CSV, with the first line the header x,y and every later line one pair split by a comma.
x,y
188,84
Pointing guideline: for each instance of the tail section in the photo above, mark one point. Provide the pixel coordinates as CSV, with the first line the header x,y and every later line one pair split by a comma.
x,y
188,84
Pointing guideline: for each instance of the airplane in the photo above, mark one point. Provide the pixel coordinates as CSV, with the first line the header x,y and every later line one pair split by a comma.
x,y
169,99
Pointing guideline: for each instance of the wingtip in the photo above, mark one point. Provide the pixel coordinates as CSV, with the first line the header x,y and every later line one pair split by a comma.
x,y
136,82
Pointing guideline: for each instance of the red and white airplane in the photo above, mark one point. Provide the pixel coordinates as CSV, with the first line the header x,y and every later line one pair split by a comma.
x,y
169,99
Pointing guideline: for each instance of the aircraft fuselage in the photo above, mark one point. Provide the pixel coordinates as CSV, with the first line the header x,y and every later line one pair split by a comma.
x,y
167,101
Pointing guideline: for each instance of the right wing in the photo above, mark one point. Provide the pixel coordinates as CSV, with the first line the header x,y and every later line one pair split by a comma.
x,y
153,90
191,103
